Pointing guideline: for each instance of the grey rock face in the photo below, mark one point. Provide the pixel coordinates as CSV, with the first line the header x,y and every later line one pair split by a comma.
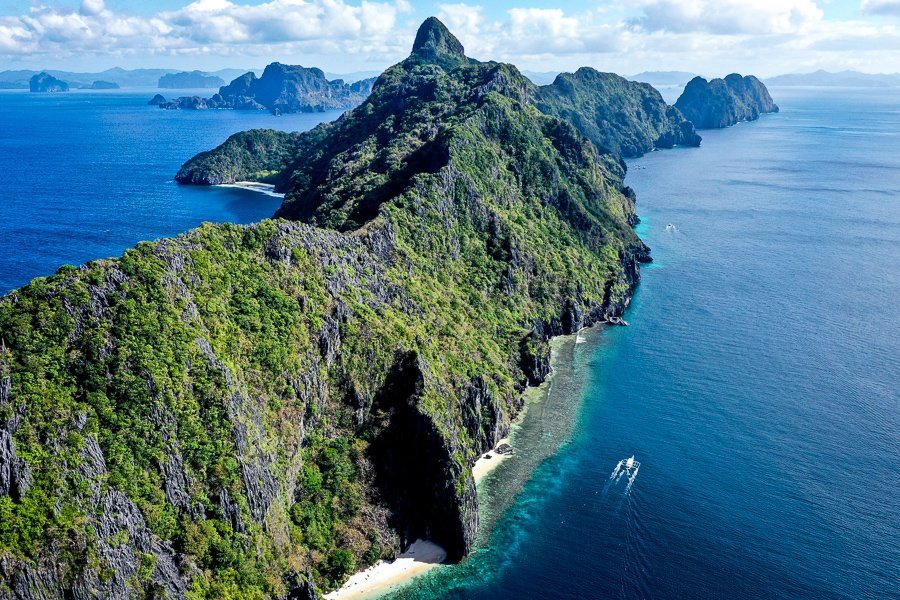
x,y
15,475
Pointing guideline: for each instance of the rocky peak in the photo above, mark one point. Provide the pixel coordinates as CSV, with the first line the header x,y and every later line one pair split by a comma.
x,y
435,44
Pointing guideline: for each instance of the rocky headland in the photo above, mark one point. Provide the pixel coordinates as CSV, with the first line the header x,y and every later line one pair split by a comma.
x,y
724,102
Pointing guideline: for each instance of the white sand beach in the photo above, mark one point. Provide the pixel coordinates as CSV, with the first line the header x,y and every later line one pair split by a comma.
x,y
263,188
489,461
421,556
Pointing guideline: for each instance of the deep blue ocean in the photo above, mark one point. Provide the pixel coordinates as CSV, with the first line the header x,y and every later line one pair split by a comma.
x,y
88,174
757,383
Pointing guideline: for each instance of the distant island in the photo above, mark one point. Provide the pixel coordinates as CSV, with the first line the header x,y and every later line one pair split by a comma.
x,y
189,80
44,82
104,85
281,89
724,102
125,78
841,79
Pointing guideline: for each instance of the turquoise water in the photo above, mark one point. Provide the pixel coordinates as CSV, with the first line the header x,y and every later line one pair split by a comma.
x,y
86,175
757,383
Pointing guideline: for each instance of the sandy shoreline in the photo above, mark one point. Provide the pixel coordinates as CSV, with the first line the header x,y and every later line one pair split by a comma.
x,y
264,188
490,461
421,556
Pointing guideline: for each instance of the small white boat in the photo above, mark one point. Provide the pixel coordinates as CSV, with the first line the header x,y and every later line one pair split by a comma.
x,y
670,227
628,468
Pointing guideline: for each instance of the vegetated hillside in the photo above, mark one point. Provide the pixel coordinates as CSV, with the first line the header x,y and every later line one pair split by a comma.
x,y
624,117
257,411
621,117
724,102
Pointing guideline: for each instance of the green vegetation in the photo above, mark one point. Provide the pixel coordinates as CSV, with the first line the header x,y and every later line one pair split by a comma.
x,y
624,117
290,401
256,155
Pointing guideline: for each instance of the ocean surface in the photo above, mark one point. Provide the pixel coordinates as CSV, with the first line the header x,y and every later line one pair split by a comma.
x,y
757,383
88,174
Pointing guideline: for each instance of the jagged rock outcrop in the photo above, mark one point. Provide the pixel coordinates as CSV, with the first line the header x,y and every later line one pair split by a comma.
x,y
624,117
44,82
282,89
260,410
723,102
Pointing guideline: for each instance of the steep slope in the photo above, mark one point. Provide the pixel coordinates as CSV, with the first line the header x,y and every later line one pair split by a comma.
x,y
251,411
623,117
724,102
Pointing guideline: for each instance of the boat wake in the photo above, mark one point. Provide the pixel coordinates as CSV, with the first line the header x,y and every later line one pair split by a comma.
x,y
627,470
634,577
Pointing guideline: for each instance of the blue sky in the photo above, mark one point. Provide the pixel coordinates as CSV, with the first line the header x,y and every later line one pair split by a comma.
x,y
710,37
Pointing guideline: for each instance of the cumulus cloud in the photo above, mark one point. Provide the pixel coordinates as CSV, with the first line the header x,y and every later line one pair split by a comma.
x,y
527,32
205,27
728,16
707,36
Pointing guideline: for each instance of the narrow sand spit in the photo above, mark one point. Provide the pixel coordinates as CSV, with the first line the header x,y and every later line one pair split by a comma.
x,y
421,556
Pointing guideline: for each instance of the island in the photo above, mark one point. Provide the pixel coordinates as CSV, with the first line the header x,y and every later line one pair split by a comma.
x,y
281,89
44,82
262,410
624,117
724,102
104,85
157,100
189,80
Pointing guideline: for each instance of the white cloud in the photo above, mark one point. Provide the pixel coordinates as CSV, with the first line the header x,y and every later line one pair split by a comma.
x,y
625,36
728,17
464,20
212,27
